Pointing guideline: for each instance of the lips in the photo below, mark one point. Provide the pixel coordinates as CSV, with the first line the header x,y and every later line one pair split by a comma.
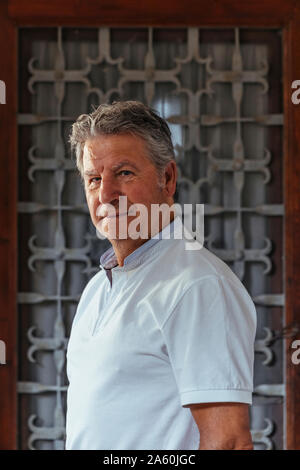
x,y
117,215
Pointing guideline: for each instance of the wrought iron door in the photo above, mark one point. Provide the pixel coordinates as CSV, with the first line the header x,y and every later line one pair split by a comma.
x,y
221,93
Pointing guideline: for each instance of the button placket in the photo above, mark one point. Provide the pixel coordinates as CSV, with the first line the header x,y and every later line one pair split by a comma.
x,y
110,292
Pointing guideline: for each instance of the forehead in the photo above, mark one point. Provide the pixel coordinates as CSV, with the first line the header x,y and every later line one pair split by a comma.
x,y
109,150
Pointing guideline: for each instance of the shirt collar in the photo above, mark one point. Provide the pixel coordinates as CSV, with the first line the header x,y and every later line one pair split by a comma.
x,y
108,259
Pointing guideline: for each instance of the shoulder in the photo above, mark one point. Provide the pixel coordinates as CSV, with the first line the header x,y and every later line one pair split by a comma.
x,y
188,265
215,303
200,280
179,267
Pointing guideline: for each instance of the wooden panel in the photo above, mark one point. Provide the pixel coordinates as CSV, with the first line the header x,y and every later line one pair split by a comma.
x,y
292,225
8,232
152,12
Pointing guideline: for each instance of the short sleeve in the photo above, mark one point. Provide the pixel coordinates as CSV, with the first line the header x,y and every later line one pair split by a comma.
x,y
210,338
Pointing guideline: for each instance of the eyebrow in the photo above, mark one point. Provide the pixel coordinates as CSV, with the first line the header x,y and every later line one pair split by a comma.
x,y
123,163
114,168
90,173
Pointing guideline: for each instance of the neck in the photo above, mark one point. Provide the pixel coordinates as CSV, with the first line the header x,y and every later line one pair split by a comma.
x,y
124,247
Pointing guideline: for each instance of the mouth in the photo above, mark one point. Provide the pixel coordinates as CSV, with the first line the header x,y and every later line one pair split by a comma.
x,y
114,216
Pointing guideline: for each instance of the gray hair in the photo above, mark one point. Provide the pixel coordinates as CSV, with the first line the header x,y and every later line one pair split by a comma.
x,y
125,117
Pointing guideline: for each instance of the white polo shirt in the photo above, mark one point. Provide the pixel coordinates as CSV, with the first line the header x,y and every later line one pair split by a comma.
x,y
175,327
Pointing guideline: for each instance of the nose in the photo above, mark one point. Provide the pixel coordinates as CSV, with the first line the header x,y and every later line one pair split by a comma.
x,y
109,191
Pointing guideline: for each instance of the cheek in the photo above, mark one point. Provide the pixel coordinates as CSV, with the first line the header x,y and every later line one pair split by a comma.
x,y
140,192
150,194
92,202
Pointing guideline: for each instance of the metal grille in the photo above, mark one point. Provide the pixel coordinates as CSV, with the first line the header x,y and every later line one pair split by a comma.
x,y
224,109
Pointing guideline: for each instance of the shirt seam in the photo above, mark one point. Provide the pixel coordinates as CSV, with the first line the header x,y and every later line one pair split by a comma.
x,y
227,332
209,276
162,332
146,252
218,388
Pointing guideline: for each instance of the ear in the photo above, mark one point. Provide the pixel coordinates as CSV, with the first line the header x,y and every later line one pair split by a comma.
x,y
170,178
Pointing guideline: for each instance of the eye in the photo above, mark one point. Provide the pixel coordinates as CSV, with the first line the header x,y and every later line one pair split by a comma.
x,y
94,180
128,172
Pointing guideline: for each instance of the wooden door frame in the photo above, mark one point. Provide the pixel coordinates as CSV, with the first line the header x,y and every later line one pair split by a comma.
x,y
227,13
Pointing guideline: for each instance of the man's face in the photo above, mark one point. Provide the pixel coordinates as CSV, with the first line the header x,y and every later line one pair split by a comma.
x,y
116,166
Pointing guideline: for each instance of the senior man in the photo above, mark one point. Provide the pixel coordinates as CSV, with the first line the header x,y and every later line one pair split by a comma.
x,y
161,349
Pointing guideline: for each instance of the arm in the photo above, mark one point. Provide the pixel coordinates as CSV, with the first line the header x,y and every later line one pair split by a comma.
x,y
210,341
223,426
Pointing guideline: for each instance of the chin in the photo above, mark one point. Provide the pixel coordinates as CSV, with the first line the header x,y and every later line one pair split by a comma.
x,y
104,230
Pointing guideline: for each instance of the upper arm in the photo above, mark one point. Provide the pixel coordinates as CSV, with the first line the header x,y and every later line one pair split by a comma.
x,y
223,425
210,343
